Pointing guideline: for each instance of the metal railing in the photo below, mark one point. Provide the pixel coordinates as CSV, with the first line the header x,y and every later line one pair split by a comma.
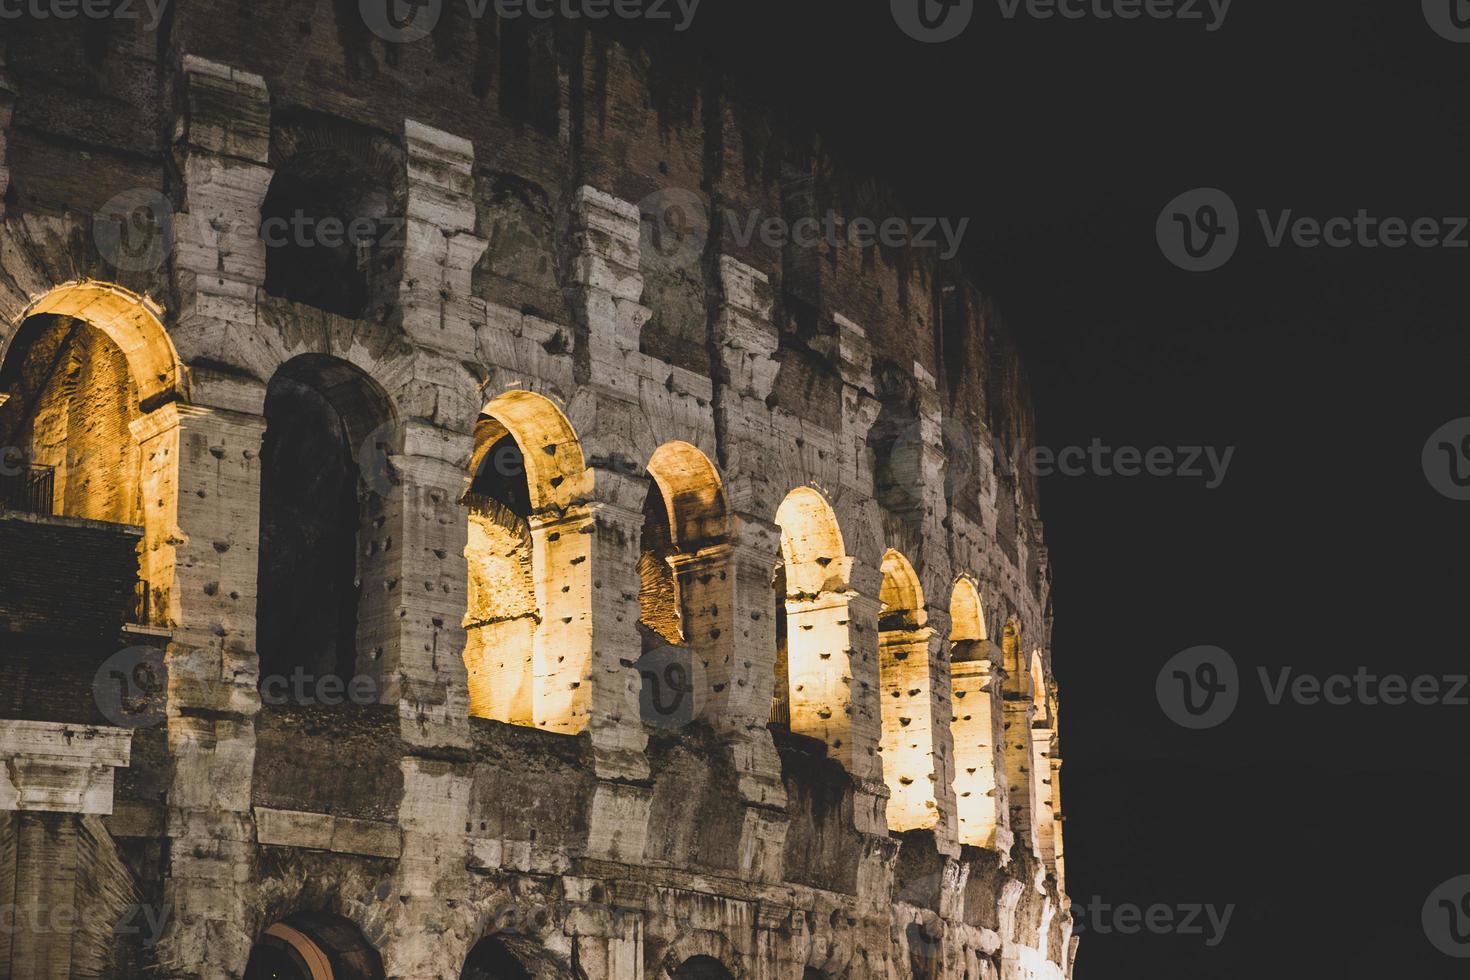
x,y
28,488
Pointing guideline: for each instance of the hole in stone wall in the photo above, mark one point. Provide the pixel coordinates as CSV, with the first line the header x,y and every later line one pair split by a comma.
x,y
529,85
324,543
322,221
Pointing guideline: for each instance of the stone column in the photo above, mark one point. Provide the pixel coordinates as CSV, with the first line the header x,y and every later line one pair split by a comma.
x,y
975,745
51,775
202,477
1018,712
218,256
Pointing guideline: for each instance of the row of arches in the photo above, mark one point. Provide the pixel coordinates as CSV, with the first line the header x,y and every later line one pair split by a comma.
x,y
327,562
324,946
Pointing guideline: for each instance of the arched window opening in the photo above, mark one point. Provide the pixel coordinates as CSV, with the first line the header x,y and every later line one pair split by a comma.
x,y
313,946
975,725
324,591
323,224
686,587
906,687
702,968
528,622
86,369
1018,711
512,957
817,699
502,615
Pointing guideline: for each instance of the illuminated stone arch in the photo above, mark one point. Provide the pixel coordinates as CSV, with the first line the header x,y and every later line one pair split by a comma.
x,y
131,321
975,725
132,365
907,689
686,588
528,650
313,946
815,689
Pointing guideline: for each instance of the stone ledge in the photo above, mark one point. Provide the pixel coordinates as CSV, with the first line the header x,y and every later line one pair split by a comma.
x,y
326,832
60,768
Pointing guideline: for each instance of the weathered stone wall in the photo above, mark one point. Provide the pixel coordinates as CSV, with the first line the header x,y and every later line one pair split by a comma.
x,y
530,273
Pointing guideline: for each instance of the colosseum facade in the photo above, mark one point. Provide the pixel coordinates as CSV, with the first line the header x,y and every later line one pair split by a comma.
x,y
439,544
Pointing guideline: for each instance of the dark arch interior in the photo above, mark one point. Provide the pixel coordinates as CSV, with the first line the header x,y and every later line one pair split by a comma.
x,y
347,950
702,968
322,222
322,415
502,477
492,960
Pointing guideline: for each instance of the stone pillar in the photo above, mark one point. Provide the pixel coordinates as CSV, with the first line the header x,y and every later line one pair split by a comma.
x,y
435,305
202,481
421,664
975,722
1018,711
223,143
604,292
1041,794
51,774
865,726
909,763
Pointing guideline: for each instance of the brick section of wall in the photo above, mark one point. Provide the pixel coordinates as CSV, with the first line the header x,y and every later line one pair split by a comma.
x,y
66,578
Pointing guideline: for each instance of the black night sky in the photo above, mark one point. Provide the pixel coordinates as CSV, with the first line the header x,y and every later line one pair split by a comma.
x,y
1325,549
